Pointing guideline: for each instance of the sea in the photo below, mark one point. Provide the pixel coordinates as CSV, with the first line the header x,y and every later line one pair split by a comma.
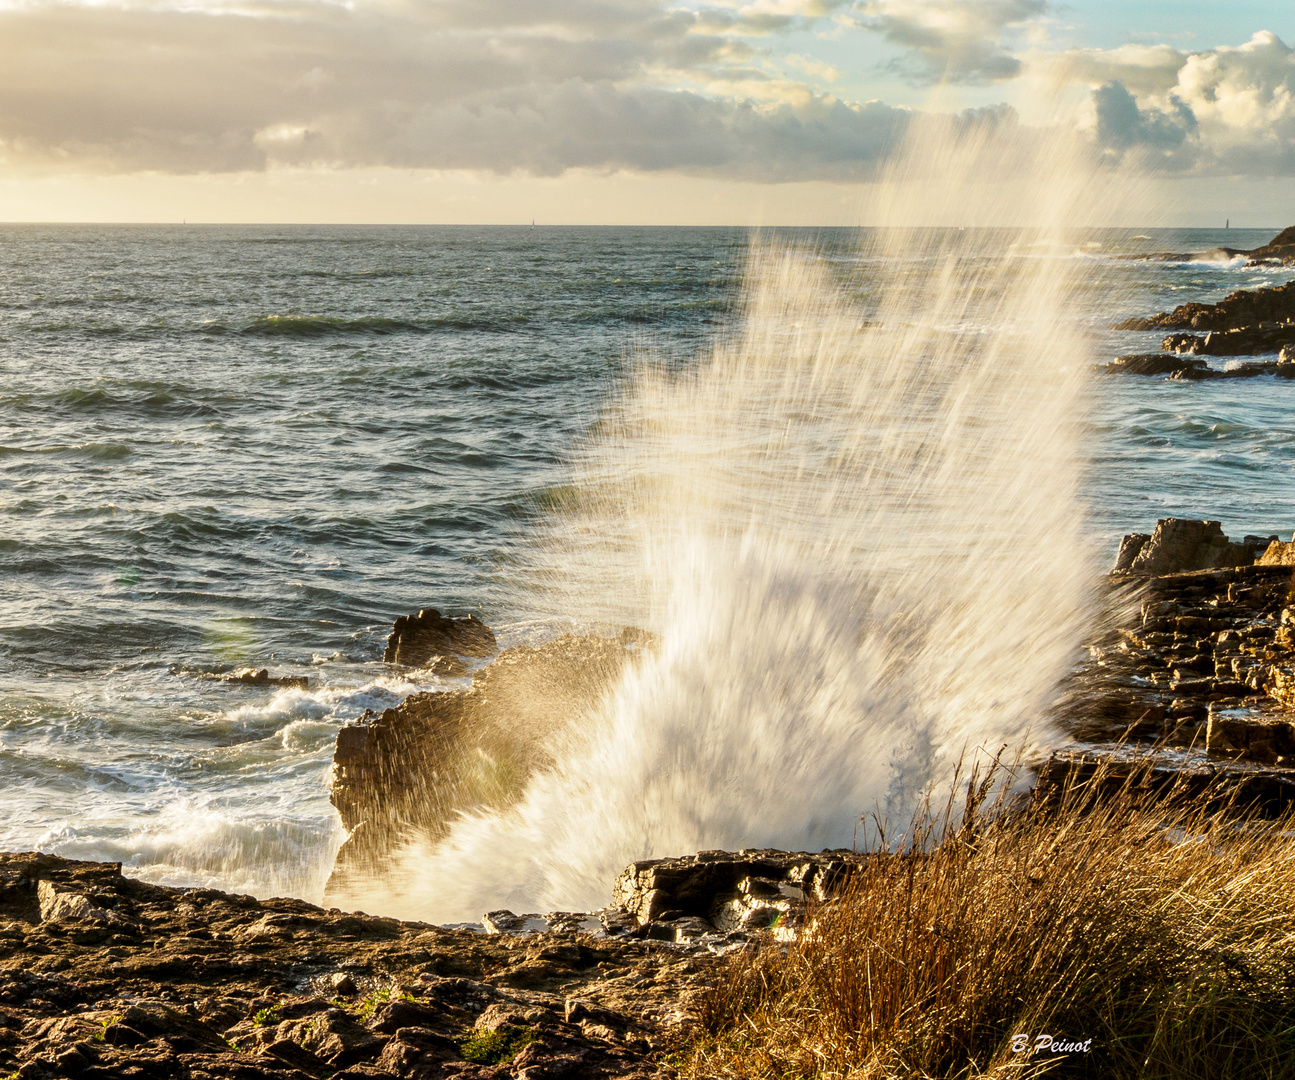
x,y
253,446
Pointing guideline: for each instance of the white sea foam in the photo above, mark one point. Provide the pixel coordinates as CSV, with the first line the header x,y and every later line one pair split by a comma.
x,y
862,549
213,842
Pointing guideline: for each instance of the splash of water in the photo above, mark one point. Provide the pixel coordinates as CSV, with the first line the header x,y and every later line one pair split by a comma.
x,y
855,526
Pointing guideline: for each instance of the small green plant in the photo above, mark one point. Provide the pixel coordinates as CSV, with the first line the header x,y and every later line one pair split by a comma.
x,y
496,1047
370,1004
104,1025
266,1016
235,1047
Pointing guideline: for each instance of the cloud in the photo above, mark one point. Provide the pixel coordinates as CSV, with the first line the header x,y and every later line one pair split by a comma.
x,y
1120,124
959,40
692,86
499,85
1220,111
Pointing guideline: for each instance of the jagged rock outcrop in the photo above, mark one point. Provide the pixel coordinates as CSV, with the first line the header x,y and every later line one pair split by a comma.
x,y
406,773
428,636
1243,341
1245,307
1180,544
1278,553
104,977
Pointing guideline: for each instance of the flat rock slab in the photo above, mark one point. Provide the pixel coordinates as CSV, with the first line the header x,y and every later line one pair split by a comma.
x,y
1195,661
195,984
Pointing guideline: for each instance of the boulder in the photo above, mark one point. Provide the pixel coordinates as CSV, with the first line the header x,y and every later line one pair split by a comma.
x,y
728,891
253,677
416,640
1184,544
1278,553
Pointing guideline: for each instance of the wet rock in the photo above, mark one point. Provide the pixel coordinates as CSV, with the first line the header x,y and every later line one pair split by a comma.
x,y
416,640
1241,341
341,984
450,667
1156,364
505,922
405,774
1241,308
253,677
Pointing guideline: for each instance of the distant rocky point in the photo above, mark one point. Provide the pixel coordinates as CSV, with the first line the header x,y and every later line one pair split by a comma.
x,y
1248,322
1280,249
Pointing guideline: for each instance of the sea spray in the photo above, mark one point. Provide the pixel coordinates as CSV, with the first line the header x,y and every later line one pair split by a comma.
x,y
856,528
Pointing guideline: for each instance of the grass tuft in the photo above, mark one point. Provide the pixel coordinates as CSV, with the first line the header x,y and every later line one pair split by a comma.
x,y
496,1047
1159,932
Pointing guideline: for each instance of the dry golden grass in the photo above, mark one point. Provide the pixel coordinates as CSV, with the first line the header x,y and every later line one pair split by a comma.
x,y
1162,932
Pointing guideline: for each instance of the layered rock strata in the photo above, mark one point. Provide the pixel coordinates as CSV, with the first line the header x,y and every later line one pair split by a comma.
x,y
1194,671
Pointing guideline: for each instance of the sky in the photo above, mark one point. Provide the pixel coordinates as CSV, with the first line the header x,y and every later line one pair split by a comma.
x,y
754,112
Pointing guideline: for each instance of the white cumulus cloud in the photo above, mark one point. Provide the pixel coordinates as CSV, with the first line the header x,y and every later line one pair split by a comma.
x,y
1225,110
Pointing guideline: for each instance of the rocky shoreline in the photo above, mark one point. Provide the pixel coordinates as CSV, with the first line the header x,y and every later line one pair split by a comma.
x,y
1254,322
103,976
1189,680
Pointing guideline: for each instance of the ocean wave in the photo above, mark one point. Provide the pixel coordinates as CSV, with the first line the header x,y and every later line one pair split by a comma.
x,y
98,450
291,326
200,842
171,402
377,325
